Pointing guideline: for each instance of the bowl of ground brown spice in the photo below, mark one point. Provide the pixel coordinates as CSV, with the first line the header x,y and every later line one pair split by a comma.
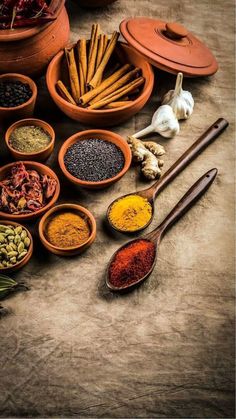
x,y
30,139
67,229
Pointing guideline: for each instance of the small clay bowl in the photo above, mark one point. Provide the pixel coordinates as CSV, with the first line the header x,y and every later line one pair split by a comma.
x,y
27,257
42,169
24,110
38,155
68,251
99,134
101,117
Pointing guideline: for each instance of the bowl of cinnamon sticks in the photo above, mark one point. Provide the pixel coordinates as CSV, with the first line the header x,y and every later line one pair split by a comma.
x,y
100,81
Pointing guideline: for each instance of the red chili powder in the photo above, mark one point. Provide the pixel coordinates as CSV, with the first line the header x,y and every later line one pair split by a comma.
x,y
132,262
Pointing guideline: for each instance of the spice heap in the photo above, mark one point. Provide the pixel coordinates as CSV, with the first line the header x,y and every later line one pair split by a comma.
x,y
25,191
94,160
14,93
130,213
93,82
14,245
20,13
131,263
67,229
29,139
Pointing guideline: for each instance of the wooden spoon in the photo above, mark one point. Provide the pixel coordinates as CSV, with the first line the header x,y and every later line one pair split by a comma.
x,y
190,154
155,236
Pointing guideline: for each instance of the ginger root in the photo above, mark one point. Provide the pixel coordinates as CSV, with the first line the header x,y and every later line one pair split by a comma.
x,y
147,153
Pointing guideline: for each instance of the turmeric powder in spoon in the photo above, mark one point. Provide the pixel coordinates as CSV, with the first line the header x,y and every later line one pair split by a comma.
x,y
130,213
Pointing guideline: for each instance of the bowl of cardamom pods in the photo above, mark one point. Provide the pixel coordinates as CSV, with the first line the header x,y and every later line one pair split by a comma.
x,y
16,246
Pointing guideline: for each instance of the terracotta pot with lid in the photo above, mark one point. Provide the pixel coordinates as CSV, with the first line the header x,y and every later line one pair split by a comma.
x,y
28,50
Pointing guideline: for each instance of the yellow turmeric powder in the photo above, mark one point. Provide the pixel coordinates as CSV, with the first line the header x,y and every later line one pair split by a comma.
x,y
130,213
67,229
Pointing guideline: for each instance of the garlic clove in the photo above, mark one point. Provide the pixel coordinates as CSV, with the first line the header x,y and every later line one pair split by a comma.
x,y
166,122
180,100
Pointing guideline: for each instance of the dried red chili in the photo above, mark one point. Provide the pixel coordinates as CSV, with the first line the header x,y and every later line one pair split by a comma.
x,y
25,191
132,262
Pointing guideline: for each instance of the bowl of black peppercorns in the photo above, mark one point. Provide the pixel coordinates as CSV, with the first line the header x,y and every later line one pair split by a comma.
x,y
17,96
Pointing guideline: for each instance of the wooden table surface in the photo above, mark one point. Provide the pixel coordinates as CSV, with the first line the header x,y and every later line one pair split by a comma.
x,y
69,347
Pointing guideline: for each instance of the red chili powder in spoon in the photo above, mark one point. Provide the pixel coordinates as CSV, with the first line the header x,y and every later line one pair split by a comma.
x,y
131,263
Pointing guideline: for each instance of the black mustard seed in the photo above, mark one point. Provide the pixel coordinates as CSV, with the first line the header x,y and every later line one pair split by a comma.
x,y
14,93
94,160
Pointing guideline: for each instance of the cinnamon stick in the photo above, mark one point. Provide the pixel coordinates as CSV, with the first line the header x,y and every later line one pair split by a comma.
x,y
73,74
93,53
100,50
82,57
118,104
109,50
64,92
106,83
118,94
115,86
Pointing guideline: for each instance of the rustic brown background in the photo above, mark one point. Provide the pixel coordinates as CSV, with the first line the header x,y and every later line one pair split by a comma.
x,y
69,347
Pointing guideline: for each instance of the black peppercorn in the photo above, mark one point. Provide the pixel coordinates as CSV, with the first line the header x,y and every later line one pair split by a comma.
x,y
14,93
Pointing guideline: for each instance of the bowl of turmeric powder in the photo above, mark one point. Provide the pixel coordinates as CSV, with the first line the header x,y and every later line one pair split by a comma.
x,y
67,229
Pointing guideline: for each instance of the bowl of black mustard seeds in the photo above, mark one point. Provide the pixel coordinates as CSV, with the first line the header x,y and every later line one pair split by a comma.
x,y
94,158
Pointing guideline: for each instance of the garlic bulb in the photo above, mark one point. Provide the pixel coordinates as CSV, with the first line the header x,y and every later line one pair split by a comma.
x,y
180,100
164,122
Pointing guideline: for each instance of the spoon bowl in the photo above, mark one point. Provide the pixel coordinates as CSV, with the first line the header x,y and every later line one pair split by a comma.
x,y
155,236
190,154
142,194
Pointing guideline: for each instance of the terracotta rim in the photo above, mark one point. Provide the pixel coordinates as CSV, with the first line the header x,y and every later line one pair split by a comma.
x,y
53,92
30,121
83,135
24,79
9,35
58,208
28,255
44,169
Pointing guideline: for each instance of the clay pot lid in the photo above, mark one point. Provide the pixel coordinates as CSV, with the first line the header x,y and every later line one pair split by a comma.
x,y
169,46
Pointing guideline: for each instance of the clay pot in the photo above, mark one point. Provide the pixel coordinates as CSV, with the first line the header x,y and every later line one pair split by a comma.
x,y
42,169
101,117
28,255
69,251
103,135
25,109
29,50
95,3
36,156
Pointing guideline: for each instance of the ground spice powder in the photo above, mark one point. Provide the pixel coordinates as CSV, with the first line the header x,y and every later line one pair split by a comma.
x,y
131,263
130,213
67,229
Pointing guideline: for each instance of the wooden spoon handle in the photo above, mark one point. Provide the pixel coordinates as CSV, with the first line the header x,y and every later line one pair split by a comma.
x,y
193,194
203,141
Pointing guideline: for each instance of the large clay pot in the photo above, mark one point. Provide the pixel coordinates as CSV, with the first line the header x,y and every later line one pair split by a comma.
x,y
29,50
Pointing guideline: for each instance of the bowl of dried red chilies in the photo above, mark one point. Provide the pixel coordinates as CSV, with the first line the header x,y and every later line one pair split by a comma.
x,y
31,33
27,190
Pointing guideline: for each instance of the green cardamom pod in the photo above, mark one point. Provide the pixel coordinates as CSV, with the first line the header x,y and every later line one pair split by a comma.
x,y
27,242
20,247
9,232
9,248
2,238
22,254
10,238
23,235
12,253
17,238
3,228
13,260
18,230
